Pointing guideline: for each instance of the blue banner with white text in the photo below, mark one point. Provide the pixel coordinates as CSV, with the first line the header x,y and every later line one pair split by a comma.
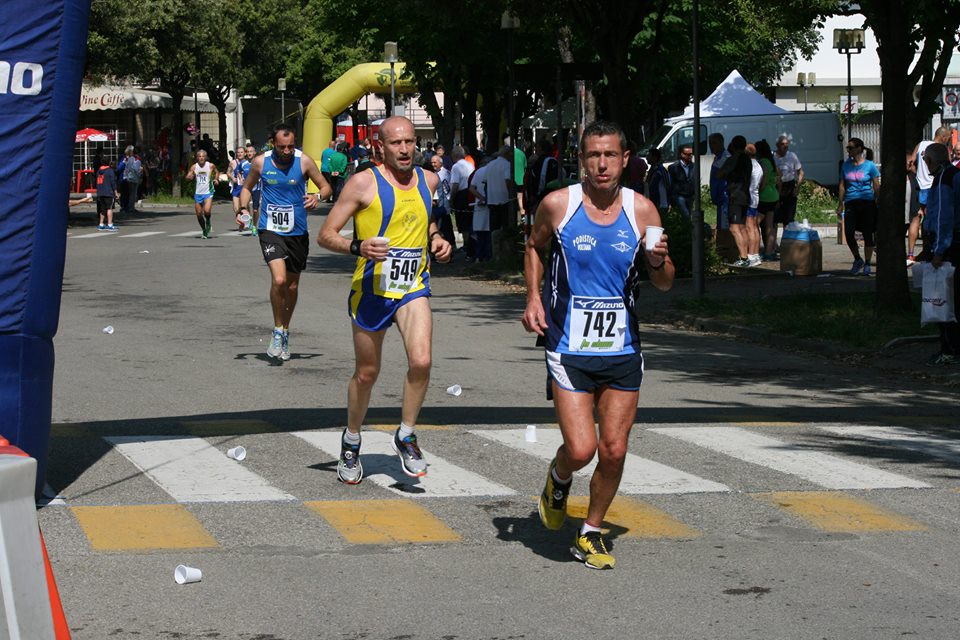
x,y
42,48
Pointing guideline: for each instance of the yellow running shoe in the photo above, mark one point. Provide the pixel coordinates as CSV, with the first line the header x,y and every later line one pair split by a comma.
x,y
553,501
590,549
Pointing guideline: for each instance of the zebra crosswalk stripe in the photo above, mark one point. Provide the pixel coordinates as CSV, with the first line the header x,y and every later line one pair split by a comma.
x,y
933,446
192,470
640,475
819,468
98,234
382,466
143,234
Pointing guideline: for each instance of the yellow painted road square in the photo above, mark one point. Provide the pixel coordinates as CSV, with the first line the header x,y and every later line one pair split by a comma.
x,y
162,526
383,521
839,513
636,519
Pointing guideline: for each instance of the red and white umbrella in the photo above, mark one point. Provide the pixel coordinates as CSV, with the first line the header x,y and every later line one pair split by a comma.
x,y
91,135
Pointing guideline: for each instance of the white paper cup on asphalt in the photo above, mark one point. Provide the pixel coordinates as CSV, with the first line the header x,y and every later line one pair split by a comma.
x,y
237,453
185,575
455,390
652,237
108,329
531,434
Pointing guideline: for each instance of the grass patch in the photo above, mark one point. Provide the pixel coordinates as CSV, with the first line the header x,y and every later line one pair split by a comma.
x,y
849,319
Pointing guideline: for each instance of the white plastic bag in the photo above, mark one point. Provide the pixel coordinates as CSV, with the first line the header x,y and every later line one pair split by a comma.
x,y
917,272
937,296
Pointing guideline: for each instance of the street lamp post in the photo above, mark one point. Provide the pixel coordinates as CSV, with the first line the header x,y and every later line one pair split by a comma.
x,y
282,88
391,55
806,80
848,41
696,259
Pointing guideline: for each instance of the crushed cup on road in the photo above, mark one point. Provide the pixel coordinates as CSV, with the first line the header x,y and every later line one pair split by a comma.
x,y
455,390
144,252
185,575
531,434
108,329
237,453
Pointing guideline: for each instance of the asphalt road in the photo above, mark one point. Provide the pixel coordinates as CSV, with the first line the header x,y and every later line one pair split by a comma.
x,y
786,495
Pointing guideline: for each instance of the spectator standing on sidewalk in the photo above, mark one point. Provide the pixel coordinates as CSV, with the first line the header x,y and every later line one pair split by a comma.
x,y
769,198
941,242
859,189
683,184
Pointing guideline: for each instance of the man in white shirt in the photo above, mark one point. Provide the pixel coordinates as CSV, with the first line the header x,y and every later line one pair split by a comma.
x,y
441,200
943,135
460,199
499,187
791,176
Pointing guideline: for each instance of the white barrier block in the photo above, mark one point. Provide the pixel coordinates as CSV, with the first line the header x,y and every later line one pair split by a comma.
x,y
25,613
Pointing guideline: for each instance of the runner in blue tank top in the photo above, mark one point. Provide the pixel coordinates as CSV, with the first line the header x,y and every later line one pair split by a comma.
x,y
281,224
593,353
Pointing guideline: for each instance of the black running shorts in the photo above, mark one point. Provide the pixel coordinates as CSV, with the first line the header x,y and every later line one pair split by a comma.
x,y
586,374
292,249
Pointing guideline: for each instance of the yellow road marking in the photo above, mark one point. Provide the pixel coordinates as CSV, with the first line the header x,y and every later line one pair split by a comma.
x,y
162,526
635,518
205,428
837,512
383,521
390,428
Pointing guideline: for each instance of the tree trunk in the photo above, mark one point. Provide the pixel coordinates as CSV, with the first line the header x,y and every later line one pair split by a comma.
x,y
892,28
491,115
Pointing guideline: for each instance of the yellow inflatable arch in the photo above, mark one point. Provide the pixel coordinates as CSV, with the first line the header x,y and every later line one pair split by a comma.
x,y
371,77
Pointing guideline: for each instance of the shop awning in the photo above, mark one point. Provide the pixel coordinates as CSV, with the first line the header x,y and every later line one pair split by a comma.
x,y
100,98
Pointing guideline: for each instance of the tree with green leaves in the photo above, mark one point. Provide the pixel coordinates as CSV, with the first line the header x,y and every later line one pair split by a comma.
x,y
911,84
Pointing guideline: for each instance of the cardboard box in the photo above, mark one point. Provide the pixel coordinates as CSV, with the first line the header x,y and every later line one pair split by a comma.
x,y
801,252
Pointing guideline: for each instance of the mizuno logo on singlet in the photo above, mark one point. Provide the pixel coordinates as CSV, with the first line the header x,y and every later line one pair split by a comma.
x,y
597,305
622,233
404,253
585,242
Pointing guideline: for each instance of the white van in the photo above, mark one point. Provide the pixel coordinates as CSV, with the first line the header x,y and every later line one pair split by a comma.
x,y
814,136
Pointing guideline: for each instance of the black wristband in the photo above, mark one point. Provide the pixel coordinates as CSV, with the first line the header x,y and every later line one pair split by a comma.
x,y
355,246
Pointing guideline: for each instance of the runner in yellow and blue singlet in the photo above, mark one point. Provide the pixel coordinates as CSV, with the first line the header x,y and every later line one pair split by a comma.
x,y
380,288
394,238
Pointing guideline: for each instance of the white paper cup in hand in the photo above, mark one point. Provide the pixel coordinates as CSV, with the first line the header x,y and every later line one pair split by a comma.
x,y
455,390
652,237
237,453
380,240
244,218
185,575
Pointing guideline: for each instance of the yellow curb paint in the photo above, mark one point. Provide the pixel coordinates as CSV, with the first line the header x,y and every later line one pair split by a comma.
x,y
383,521
390,428
839,513
206,428
631,518
135,528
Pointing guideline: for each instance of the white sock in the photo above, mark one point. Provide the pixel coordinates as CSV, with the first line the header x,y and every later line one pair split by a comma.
x,y
350,437
557,479
405,430
587,528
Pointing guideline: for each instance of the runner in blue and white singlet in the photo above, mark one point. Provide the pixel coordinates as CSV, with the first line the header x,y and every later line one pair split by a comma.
x,y
281,224
588,287
583,314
